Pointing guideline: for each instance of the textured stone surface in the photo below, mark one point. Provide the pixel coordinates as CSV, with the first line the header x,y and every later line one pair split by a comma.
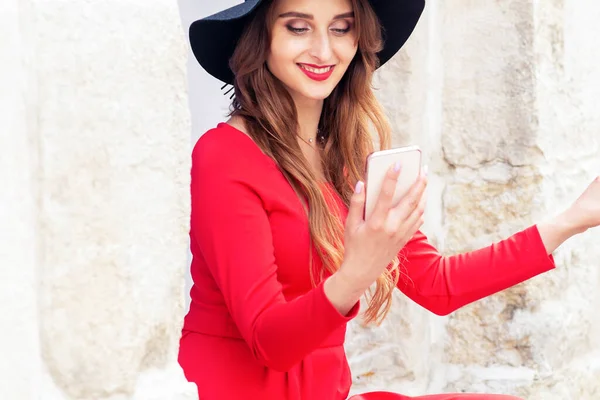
x,y
115,207
488,91
99,256
506,115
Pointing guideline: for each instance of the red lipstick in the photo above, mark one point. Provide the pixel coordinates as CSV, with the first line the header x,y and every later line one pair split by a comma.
x,y
315,75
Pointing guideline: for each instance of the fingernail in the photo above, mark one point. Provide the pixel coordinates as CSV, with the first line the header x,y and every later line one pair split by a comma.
x,y
359,187
425,170
397,166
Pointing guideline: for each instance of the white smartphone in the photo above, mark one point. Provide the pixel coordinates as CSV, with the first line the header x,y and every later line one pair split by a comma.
x,y
379,162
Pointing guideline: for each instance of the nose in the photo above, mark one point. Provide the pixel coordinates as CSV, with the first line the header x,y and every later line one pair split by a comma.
x,y
321,47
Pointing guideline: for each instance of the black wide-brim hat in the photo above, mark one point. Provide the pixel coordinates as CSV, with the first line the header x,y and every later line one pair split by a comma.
x,y
213,39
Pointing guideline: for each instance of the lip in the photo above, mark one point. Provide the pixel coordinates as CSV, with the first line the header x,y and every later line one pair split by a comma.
x,y
315,76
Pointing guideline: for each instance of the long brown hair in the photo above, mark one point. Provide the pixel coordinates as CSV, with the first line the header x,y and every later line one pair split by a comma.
x,y
348,113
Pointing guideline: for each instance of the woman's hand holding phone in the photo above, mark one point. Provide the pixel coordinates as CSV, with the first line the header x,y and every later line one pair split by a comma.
x,y
371,244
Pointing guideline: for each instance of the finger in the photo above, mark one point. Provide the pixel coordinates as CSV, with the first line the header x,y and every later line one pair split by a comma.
x,y
414,228
411,200
417,217
386,194
357,206
401,222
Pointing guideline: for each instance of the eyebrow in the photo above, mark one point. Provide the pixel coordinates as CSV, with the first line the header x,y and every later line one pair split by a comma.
x,y
308,16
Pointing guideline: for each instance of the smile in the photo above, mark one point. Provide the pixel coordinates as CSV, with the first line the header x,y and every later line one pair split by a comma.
x,y
315,72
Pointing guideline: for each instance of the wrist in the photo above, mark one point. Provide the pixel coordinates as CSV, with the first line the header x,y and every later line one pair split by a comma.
x,y
571,225
342,291
557,230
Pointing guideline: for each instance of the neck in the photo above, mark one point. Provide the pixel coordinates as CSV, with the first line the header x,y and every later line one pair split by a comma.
x,y
309,114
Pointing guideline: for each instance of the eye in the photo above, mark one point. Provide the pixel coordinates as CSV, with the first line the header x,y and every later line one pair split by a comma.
x,y
342,28
341,31
296,29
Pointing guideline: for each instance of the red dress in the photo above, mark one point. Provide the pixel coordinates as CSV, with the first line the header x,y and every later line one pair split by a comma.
x,y
257,328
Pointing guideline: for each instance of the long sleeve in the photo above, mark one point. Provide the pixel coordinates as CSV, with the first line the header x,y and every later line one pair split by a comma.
x,y
443,284
231,230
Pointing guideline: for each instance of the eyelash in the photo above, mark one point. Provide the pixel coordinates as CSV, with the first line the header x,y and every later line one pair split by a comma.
x,y
302,30
296,30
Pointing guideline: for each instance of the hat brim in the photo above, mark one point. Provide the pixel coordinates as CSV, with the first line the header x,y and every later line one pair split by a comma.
x,y
213,39
398,20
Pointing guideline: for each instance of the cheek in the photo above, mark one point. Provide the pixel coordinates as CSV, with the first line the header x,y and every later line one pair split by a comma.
x,y
283,53
346,51
345,48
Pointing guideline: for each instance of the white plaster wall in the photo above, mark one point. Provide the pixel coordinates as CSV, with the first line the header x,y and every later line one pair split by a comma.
x,y
94,141
20,361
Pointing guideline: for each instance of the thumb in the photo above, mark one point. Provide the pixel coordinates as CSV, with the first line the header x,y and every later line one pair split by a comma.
x,y
357,207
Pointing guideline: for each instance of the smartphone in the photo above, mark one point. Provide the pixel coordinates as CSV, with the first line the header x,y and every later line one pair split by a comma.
x,y
379,162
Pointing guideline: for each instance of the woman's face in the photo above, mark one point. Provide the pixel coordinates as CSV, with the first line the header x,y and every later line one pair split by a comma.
x,y
312,45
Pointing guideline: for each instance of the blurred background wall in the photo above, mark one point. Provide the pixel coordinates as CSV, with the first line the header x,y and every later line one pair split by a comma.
x,y
94,201
97,104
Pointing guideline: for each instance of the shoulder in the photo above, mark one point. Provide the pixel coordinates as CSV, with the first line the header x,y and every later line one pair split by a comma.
x,y
226,149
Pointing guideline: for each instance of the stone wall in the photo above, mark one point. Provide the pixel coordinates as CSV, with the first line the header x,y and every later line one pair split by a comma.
x,y
94,144
94,137
502,97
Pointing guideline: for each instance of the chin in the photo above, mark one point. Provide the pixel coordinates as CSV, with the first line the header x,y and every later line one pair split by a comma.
x,y
315,91
319,95
303,88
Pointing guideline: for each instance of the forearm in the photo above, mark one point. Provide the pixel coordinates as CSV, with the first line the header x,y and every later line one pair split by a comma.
x,y
443,284
554,232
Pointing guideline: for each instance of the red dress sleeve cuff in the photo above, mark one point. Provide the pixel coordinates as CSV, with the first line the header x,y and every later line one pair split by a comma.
x,y
328,310
537,247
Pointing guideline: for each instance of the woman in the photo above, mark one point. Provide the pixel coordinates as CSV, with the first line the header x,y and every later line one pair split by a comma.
x,y
281,253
